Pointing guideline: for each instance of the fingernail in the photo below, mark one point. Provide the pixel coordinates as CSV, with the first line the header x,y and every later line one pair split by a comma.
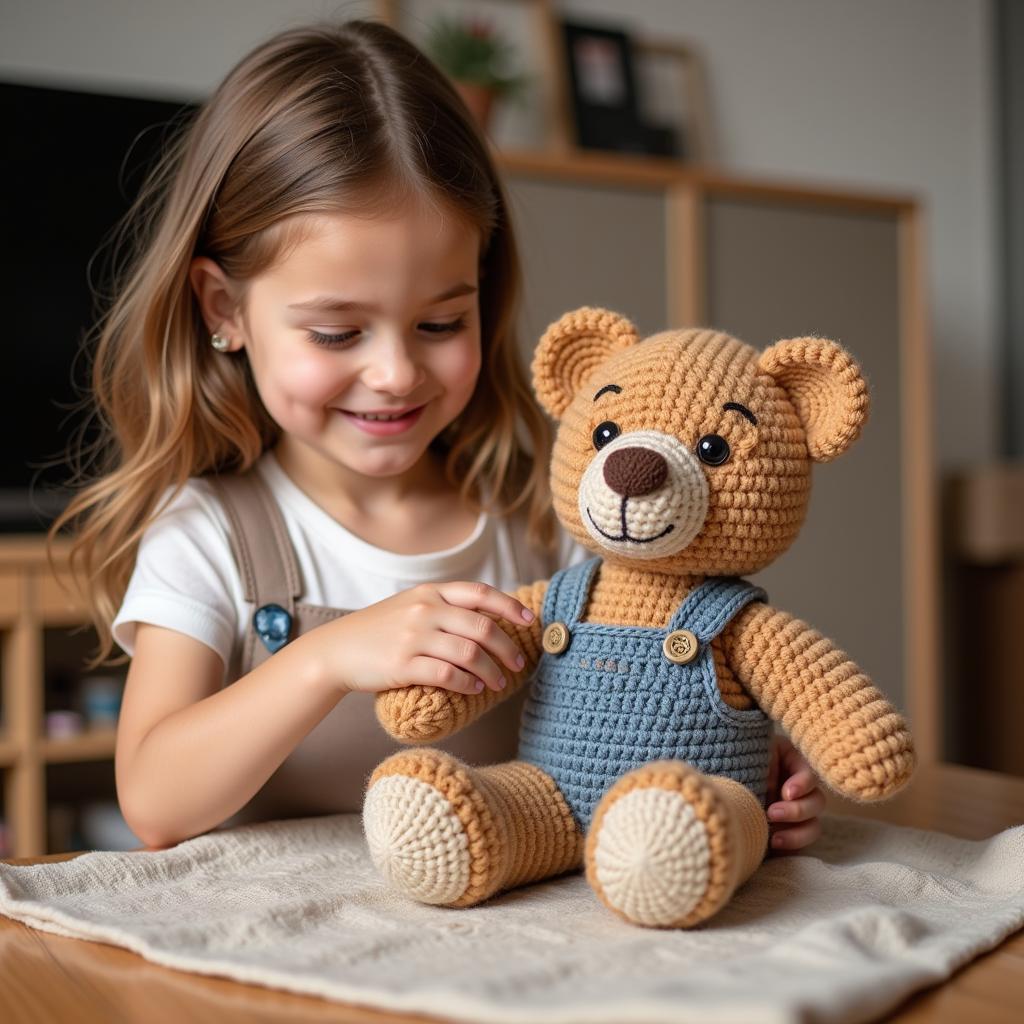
x,y
502,683
776,814
789,792
520,661
478,686
528,616
778,841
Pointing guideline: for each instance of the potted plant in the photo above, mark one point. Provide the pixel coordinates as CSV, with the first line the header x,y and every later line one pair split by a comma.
x,y
478,61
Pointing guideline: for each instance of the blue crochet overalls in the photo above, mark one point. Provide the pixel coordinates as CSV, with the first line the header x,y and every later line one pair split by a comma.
x,y
612,701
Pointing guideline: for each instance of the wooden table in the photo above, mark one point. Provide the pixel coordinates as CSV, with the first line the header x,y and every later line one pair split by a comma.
x,y
46,977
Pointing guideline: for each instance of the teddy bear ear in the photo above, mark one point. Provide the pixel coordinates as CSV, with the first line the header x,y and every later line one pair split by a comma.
x,y
825,384
571,348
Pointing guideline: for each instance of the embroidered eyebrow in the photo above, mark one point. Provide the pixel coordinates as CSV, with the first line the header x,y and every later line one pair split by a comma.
x,y
608,387
742,409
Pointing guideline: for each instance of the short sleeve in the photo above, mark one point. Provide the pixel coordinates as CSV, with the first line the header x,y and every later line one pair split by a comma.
x,y
184,577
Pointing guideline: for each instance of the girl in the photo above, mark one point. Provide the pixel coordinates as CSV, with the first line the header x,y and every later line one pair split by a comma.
x,y
309,388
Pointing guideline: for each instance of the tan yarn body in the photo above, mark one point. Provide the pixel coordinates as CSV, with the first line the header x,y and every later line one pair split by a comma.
x,y
809,401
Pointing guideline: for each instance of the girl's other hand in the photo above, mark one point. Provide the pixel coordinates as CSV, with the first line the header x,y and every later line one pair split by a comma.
x,y
794,799
434,634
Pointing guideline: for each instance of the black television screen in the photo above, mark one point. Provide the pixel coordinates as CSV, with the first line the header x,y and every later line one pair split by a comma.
x,y
72,163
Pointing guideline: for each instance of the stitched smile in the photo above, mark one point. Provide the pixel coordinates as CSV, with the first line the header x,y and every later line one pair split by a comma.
x,y
625,532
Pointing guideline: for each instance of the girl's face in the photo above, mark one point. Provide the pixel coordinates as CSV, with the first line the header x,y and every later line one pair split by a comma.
x,y
364,341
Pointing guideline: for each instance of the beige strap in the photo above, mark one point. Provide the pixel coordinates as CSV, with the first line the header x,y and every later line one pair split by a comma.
x,y
266,561
259,541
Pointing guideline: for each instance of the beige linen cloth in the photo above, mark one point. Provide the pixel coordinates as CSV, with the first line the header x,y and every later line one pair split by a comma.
x,y
843,933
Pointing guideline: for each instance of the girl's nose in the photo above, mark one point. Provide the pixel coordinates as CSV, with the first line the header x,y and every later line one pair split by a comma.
x,y
392,368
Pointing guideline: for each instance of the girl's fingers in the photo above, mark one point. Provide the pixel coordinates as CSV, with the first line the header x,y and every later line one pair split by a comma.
x,y
482,630
463,654
802,782
426,671
796,837
798,810
484,598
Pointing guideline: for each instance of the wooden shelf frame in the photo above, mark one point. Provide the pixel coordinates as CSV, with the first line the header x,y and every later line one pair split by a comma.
x,y
33,600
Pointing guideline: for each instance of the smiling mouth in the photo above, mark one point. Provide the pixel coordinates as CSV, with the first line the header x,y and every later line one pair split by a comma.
x,y
625,533
378,417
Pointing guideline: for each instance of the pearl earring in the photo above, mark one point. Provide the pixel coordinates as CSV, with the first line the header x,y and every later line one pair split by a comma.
x,y
220,343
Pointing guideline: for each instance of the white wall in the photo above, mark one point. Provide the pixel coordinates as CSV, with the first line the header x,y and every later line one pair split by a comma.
x,y
882,94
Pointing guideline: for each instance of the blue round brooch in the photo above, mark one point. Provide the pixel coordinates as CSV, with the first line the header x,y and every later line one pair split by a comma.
x,y
273,626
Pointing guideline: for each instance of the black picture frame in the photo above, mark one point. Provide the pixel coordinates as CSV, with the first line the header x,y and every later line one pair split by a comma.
x,y
602,82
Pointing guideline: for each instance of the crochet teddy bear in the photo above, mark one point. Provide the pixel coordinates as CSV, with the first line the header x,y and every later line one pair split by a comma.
x,y
656,671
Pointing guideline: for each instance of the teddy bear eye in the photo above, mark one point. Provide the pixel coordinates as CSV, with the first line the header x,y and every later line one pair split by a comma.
x,y
713,449
605,433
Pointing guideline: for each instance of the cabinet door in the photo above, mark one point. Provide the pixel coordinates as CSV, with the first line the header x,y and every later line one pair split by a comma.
x,y
589,245
777,269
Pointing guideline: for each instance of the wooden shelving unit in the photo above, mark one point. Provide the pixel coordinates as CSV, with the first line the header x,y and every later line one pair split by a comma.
x,y
32,601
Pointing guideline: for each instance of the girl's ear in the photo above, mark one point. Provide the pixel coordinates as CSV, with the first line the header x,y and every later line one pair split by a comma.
x,y
571,348
827,389
215,293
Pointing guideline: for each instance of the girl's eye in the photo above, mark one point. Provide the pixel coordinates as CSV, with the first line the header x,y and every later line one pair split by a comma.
x,y
428,327
713,449
604,433
332,340
451,327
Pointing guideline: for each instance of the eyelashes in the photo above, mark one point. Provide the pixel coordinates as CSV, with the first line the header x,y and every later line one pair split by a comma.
x,y
331,340
428,327
451,327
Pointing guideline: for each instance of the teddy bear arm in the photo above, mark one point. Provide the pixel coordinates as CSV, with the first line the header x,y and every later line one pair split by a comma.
x,y
424,714
852,736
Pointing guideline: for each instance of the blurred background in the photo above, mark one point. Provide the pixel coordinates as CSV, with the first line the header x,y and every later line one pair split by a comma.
x,y
849,168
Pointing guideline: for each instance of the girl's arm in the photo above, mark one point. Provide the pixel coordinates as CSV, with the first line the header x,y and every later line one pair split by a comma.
x,y
190,754
426,714
852,736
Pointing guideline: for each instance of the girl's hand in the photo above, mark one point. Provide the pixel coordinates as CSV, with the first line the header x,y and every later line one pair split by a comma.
x,y
794,799
432,635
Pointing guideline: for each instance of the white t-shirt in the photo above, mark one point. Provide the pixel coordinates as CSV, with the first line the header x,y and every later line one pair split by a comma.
x,y
185,579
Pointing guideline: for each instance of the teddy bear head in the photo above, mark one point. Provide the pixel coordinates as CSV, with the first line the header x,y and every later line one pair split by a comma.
x,y
690,451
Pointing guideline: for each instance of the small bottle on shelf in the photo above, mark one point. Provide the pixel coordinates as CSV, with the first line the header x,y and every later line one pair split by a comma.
x,y
100,700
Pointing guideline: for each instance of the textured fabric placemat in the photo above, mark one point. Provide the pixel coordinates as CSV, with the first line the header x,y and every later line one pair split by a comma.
x,y
844,933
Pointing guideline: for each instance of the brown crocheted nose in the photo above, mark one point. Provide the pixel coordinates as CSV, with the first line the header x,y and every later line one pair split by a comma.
x,y
635,471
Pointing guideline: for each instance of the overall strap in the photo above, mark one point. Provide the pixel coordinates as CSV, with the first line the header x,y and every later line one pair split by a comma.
x,y
708,608
266,562
259,541
567,592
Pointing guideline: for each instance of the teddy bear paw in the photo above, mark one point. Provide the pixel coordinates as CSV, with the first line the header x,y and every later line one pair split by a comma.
x,y
664,849
427,830
416,841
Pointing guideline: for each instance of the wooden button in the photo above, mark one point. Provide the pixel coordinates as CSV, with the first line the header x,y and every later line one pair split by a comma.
x,y
680,646
556,638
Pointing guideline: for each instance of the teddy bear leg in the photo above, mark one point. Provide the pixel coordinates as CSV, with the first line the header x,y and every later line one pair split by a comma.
x,y
445,833
669,845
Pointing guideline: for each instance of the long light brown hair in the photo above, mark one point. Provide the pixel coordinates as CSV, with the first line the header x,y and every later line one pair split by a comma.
x,y
323,118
